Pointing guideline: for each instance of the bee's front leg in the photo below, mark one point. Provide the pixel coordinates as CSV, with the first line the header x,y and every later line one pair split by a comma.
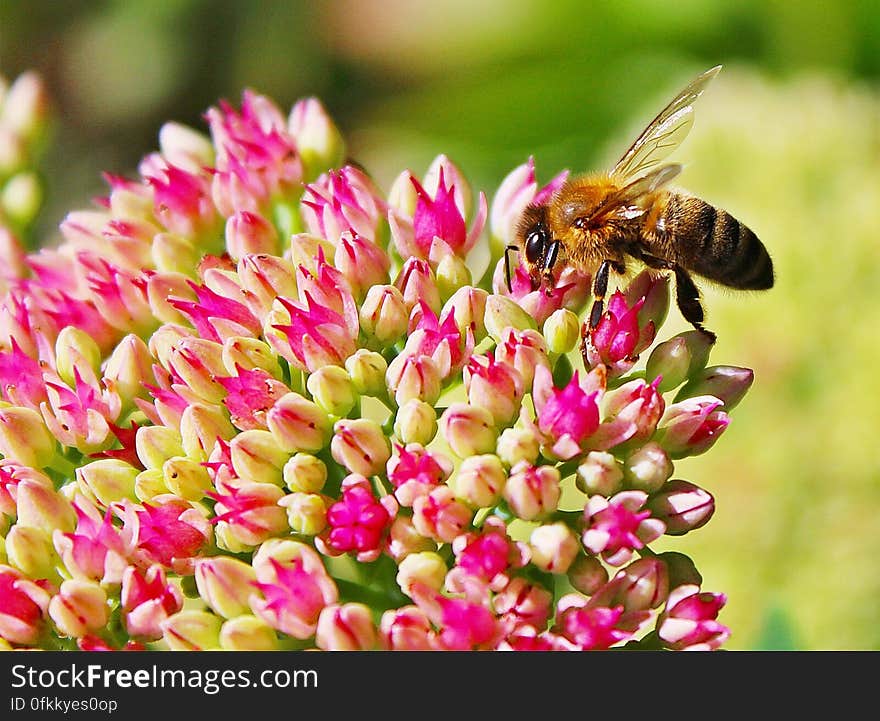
x,y
550,257
600,288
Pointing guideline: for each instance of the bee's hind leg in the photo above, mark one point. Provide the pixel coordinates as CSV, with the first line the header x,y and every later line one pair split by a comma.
x,y
687,297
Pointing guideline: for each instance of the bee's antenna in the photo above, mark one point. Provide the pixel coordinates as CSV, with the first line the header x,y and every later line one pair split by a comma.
x,y
507,272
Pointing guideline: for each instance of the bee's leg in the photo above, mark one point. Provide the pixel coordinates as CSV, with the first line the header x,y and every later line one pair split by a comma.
x,y
507,271
550,256
600,288
687,297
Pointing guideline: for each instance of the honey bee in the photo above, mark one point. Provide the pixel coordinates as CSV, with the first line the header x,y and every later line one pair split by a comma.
x,y
597,222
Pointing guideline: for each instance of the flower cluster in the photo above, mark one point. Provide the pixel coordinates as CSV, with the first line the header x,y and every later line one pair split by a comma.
x,y
252,402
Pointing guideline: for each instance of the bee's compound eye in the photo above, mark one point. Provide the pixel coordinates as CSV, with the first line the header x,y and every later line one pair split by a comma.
x,y
535,242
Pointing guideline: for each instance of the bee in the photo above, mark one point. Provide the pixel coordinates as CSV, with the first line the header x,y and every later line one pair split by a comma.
x,y
598,222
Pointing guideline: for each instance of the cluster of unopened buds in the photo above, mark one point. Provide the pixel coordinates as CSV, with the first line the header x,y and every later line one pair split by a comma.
x,y
250,401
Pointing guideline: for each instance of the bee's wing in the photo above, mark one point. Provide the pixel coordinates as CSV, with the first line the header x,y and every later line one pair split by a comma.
x,y
627,202
665,132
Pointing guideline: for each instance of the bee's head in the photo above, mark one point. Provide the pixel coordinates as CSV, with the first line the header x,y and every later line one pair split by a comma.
x,y
534,241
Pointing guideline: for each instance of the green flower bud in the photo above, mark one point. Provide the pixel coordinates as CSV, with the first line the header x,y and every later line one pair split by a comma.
x,y
128,368
562,331
201,424
452,273
191,630
248,633
156,444
160,287
25,438
587,574
415,422
256,456
384,315
599,474
367,371
304,473
22,197
298,424
647,468
469,307
186,478
503,313
150,483
31,551
109,480
39,505
678,358
249,353
225,584
173,253
306,513
728,383
333,390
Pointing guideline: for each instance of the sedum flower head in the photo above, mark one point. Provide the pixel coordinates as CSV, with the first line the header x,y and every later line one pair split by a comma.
x,y
252,366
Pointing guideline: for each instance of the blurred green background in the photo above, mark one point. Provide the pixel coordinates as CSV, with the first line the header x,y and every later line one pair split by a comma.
x,y
787,138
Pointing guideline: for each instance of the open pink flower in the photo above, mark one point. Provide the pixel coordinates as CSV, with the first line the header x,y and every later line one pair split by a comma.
x,y
249,396
343,200
570,290
97,549
617,339
317,335
148,599
617,527
215,316
169,532
414,471
567,416
358,522
462,625
591,627
182,200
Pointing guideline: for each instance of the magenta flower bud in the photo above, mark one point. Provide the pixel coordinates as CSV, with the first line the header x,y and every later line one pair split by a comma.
x,y
518,444
250,233
263,278
440,516
632,412
79,608
340,201
413,377
346,627
425,567
518,189
294,588
405,629
358,522
319,334
247,633
11,475
654,289
360,445
587,574
415,472
191,630
618,338
23,605
727,383
566,416
647,468
108,480
148,600
304,473
441,340
249,394
225,584
689,620
200,427
416,282
554,547
679,358
523,605
618,526
588,626
467,306
404,539
480,480
298,424
468,430
248,515
384,314
532,491
306,512
362,263
464,625
415,422
640,586
495,386
317,139
25,438
682,506
367,371
599,474
692,426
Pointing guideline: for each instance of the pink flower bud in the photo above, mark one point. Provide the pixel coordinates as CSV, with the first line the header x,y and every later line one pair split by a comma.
x,y
79,608
192,630
360,445
412,377
632,412
440,516
599,474
265,277
346,627
566,416
554,547
467,306
689,621
298,424
405,629
416,282
26,106
502,314
171,532
727,383
617,527
23,606
569,290
590,627
362,263
185,147
463,625
358,522
415,472
692,426
682,506
654,288
317,138
587,574
523,604
225,584
480,480
618,338
343,200
148,599
404,539
198,363
647,468
468,430
532,491
679,358
294,588
250,233
250,514
640,586
495,386
39,505
384,314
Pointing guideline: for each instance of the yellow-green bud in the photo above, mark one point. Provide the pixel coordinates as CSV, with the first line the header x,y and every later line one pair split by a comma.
x,y
384,316
333,390
160,287
40,506
518,444
249,353
22,197
562,331
503,313
25,438
186,478
416,422
31,551
678,359
554,547
468,430
248,633
587,574
109,480
367,371
298,424
150,483
201,424
306,513
79,608
225,584
360,445
599,473
190,630
156,444
647,468
128,368
304,473
424,567
468,304
452,273
480,480
256,456
173,253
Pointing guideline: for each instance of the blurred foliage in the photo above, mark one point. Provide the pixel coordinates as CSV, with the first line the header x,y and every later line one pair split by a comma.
x,y
787,139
